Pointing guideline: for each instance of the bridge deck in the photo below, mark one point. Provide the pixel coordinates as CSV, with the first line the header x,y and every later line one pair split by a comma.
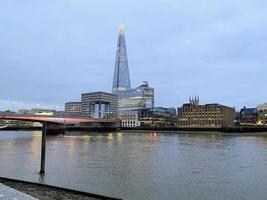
x,y
59,120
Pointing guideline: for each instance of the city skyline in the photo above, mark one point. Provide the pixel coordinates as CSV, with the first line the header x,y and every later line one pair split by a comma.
x,y
218,55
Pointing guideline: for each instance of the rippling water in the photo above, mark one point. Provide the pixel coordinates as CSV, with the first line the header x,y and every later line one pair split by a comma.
x,y
143,166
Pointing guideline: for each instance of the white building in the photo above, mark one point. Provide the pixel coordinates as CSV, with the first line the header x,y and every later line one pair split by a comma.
x,y
130,119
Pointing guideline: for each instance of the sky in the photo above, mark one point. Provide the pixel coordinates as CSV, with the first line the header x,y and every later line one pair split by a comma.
x,y
51,51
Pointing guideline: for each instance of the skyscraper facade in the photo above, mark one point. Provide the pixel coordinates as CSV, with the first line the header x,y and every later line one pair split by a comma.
x,y
128,98
121,77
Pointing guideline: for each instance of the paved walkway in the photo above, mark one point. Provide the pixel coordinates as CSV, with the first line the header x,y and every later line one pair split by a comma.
x,y
7,193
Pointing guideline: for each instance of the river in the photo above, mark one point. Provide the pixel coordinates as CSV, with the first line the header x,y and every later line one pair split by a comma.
x,y
142,166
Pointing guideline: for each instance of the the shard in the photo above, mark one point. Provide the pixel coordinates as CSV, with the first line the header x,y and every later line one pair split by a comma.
x,y
121,77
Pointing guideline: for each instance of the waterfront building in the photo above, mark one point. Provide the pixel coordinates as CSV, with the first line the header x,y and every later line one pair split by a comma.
x,y
130,119
248,116
149,117
121,77
99,105
137,98
262,114
209,115
73,109
158,117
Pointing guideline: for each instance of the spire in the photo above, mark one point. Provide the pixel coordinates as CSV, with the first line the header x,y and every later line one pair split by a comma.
x,y
121,77
121,29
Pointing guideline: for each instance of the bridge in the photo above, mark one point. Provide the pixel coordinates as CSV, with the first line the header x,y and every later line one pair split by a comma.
x,y
57,120
58,124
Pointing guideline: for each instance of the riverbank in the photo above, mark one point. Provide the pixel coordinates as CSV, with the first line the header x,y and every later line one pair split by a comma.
x,y
47,192
234,129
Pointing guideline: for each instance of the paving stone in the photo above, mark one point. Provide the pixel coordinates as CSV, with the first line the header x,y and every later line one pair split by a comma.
x,y
8,193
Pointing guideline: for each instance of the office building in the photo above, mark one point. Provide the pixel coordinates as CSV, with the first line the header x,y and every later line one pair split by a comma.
x,y
99,105
262,114
137,98
121,77
128,98
149,117
73,109
158,117
130,119
248,116
209,115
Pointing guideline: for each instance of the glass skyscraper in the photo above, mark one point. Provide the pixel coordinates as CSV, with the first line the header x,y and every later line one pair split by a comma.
x,y
121,78
128,98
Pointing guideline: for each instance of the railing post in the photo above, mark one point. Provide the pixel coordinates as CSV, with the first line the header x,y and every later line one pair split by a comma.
x,y
44,129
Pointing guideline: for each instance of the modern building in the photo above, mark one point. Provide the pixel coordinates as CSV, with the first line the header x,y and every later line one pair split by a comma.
x,y
129,99
137,98
121,77
73,109
248,116
158,117
99,105
149,117
209,115
262,114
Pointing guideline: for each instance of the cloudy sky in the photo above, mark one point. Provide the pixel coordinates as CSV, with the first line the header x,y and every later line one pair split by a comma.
x,y
53,50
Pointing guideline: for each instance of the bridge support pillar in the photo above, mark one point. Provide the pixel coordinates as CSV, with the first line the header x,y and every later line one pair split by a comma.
x,y
43,148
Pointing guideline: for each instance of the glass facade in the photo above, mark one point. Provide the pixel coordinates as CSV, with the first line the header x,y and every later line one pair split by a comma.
x,y
99,110
121,77
158,117
138,98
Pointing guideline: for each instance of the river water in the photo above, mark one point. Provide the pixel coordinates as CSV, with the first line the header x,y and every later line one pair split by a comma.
x,y
142,166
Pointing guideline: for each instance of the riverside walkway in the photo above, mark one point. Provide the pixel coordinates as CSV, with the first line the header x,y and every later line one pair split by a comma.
x,y
8,193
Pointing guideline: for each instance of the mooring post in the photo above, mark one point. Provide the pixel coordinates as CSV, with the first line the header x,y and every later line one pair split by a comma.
x,y
44,129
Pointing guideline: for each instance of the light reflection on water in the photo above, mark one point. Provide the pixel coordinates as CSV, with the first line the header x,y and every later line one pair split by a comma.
x,y
142,165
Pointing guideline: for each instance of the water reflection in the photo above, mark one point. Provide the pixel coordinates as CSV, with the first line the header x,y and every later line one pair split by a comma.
x,y
142,165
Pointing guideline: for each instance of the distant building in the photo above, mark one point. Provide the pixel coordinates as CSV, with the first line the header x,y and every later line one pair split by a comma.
x,y
129,99
209,115
42,111
149,117
248,116
99,105
135,99
121,77
73,109
262,114
7,122
130,119
158,117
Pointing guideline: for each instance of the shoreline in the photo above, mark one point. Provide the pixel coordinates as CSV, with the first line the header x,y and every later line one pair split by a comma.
x,y
48,192
232,131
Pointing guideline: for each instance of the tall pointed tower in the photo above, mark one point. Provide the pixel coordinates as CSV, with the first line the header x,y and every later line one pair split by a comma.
x,y
121,77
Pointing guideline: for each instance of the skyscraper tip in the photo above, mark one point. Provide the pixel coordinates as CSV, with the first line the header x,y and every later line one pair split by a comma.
x,y
121,29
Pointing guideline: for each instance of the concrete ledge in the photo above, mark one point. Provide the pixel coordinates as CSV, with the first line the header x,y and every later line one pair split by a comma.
x,y
8,193
54,189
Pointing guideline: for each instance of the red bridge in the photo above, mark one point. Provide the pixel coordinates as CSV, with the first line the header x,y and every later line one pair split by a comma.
x,y
57,120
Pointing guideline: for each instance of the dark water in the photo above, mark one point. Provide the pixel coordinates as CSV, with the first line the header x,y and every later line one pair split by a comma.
x,y
143,166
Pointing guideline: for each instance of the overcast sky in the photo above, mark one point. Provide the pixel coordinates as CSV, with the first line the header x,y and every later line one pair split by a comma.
x,y
53,50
